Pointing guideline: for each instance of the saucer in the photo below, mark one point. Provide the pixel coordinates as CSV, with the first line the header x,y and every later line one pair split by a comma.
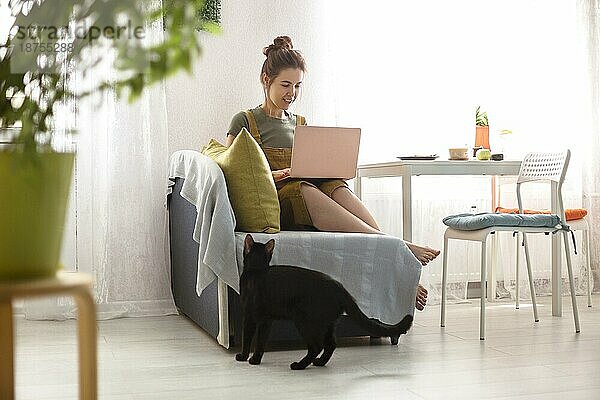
x,y
419,158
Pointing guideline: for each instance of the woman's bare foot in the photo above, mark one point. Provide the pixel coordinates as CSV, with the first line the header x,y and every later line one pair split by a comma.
x,y
421,299
423,254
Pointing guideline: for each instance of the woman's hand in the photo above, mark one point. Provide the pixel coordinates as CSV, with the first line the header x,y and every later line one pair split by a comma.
x,y
281,174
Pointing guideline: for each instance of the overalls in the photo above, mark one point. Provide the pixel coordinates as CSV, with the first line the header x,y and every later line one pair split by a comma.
x,y
294,214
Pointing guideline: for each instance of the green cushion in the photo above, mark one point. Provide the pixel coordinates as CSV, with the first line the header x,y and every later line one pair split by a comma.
x,y
250,184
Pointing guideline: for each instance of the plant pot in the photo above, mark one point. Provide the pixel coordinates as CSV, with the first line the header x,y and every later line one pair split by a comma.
x,y
33,200
482,136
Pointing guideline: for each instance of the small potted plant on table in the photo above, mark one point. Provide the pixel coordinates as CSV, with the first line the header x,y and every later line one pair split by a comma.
x,y
482,135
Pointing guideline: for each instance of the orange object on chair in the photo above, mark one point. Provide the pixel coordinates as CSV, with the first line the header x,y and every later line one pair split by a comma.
x,y
571,214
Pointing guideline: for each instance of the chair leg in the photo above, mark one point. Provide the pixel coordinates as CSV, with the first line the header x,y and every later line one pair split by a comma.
x,y
530,275
571,281
492,264
483,290
586,245
517,291
444,279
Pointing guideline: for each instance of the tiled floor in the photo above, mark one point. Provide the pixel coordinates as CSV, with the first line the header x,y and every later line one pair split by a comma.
x,y
170,358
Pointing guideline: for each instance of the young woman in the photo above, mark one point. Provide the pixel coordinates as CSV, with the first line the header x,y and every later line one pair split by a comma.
x,y
307,204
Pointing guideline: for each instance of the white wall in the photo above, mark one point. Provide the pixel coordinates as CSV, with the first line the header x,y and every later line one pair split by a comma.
x,y
226,79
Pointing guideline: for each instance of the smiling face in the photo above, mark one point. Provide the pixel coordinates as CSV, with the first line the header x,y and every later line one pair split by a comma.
x,y
282,90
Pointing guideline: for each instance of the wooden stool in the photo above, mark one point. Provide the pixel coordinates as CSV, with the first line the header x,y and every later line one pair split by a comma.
x,y
77,285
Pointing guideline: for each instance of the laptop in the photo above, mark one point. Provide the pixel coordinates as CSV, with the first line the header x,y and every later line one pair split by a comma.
x,y
325,152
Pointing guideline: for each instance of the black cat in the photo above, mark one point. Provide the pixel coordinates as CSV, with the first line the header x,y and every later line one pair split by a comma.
x,y
311,299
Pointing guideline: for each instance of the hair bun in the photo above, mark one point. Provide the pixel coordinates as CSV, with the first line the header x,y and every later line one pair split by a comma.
x,y
283,41
279,43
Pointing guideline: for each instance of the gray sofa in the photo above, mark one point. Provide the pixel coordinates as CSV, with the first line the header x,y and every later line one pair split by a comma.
x,y
204,309
378,270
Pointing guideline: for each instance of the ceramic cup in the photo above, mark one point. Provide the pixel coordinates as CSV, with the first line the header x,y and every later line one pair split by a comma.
x,y
460,153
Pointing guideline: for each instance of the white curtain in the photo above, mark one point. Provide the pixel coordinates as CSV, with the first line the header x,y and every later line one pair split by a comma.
x,y
119,216
589,22
411,74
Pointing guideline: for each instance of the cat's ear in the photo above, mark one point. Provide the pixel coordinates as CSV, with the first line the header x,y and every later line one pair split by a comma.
x,y
248,242
269,246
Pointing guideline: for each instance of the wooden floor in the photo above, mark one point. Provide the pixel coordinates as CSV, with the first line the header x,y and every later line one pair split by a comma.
x,y
170,358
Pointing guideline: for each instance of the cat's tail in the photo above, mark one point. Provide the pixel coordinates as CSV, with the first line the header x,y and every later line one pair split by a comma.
x,y
372,325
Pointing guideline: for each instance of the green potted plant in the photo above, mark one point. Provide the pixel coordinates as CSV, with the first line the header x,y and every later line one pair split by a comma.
x,y
482,129
46,39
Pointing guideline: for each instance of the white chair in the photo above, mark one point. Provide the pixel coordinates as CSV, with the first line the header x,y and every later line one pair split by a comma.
x,y
575,225
535,167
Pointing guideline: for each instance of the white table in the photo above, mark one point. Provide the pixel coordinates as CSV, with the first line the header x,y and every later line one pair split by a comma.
x,y
407,169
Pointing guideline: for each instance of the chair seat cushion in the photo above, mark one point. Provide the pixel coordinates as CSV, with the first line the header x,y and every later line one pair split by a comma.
x,y
473,222
571,214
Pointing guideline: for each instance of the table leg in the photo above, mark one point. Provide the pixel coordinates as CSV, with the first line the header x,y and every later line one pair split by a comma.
x,y
407,205
7,379
495,194
86,321
556,260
